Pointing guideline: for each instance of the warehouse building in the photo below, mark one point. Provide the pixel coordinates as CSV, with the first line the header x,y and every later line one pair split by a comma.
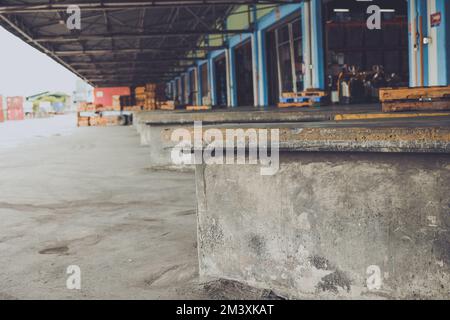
x,y
308,45
349,200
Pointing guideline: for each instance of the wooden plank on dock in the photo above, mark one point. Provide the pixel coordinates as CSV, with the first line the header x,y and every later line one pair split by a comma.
x,y
294,104
415,99
396,106
197,108
390,94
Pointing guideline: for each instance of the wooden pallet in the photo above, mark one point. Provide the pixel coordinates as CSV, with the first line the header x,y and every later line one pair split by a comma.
x,y
313,93
167,107
397,106
307,93
83,122
198,108
294,105
311,98
390,94
415,99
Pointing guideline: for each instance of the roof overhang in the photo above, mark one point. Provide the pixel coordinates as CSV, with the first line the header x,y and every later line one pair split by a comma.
x,y
124,42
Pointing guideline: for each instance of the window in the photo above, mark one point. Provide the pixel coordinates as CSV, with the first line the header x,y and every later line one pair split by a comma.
x,y
186,89
204,75
298,54
193,87
289,47
179,91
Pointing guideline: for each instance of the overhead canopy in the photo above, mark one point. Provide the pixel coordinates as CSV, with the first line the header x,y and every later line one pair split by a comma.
x,y
123,42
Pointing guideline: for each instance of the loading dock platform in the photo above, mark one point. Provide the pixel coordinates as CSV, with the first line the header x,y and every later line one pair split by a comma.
x,y
356,210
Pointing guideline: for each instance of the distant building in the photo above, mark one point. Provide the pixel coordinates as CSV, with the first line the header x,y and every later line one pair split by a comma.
x,y
50,102
83,92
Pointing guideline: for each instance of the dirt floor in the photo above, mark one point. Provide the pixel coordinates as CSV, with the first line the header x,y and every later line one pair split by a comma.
x,y
86,197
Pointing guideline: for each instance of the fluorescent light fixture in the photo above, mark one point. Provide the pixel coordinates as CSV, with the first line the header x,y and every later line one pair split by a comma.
x,y
387,10
341,10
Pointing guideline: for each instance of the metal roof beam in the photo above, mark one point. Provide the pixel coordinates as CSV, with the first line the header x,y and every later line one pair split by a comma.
x,y
155,34
140,62
109,5
68,53
127,69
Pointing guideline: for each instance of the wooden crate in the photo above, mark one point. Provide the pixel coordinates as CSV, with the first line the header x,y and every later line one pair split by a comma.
x,y
83,122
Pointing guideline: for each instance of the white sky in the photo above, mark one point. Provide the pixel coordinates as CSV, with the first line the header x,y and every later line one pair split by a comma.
x,y
25,71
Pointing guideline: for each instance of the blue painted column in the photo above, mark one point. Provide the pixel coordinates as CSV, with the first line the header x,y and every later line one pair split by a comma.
x,y
255,57
422,14
189,86
447,38
199,86
317,51
169,93
442,43
306,44
412,44
212,80
231,70
182,89
436,59
175,91
262,74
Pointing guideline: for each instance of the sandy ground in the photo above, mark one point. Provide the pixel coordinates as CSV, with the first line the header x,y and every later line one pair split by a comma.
x,y
84,196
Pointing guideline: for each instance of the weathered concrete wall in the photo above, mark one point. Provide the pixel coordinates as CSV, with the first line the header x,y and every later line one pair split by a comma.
x,y
252,115
327,136
159,149
313,229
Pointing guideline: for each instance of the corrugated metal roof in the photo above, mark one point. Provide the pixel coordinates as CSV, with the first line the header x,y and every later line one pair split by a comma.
x,y
121,42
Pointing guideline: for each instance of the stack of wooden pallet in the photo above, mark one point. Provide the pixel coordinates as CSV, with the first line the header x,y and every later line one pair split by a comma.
x,y
133,108
82,121
86,107
198,108
140,96
415,99
93,119
97,120
308,98
150,96
167,105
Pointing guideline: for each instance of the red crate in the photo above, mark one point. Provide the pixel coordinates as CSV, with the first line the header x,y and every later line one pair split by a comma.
x,y
2,117
14,108
14,103
15,114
